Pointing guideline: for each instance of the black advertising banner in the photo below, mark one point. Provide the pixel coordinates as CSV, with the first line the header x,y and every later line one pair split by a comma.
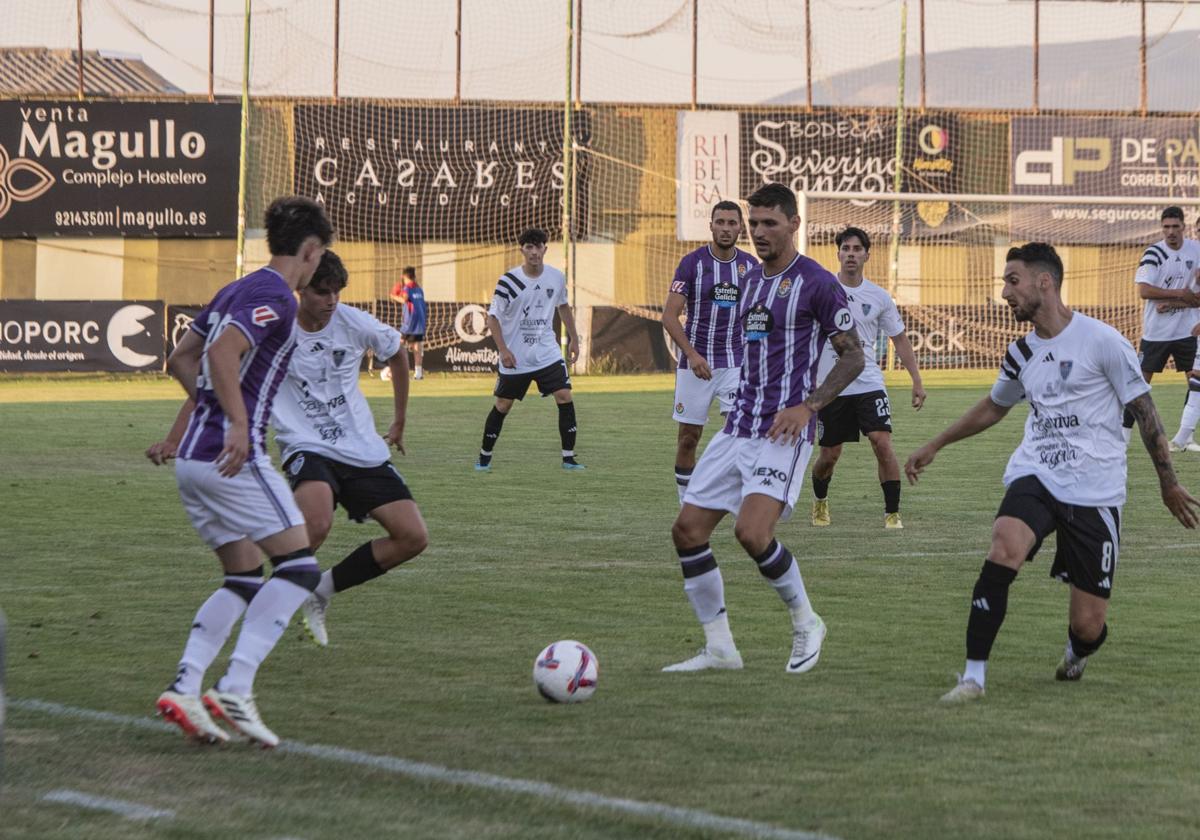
x,y
845,151
118,168
626,343
457,339
89,335
400,174
1101,156
179,320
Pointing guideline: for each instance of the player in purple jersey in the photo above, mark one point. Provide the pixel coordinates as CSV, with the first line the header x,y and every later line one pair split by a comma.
x,y
231,363
707,286
754,468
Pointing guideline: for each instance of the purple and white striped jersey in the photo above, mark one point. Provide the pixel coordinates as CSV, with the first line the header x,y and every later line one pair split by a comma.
x,y
262,306
786,320
713,287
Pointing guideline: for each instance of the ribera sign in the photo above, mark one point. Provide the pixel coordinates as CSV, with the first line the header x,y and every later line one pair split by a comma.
x,y
118,168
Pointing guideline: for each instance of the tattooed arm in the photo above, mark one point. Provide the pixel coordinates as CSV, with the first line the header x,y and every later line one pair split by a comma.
x,y
791,422
1182,506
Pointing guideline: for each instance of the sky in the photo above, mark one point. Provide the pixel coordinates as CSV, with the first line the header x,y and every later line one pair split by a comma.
x,y
750,51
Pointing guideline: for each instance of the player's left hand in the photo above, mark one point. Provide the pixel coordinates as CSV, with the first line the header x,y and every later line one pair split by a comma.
x,y
918,461
918,396
1182,506
789,424
395,436
161,452
573,351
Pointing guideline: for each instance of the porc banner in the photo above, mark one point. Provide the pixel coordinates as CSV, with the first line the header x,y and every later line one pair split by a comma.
x,y
1100,157
70,335
466,174
137,169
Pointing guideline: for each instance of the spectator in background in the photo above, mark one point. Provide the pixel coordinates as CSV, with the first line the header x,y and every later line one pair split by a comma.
x,y
411,297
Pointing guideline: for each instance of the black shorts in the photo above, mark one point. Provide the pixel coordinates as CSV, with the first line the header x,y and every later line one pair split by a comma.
x,y
358,489
1089,538
842,420
553,377
1153,354
413,338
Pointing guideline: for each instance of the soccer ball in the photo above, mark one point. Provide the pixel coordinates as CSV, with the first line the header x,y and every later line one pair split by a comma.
x,y
566,672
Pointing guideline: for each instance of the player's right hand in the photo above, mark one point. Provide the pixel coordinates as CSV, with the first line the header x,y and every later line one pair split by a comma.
x,y
161,452
507,359
918,461
698,366
237,448
1182,506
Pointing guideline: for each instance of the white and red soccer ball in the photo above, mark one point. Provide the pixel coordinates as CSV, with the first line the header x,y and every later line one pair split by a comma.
x,y
566,672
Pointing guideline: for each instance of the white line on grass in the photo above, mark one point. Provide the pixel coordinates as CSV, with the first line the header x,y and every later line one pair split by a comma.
x,y
685,817
128,810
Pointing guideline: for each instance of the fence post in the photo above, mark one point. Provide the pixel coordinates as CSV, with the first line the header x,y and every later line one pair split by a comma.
x,y
241,223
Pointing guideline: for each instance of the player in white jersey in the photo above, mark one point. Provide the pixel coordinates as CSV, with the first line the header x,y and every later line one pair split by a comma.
x,y
521,318
1068,474
864,405
705,290
1167,281
331,451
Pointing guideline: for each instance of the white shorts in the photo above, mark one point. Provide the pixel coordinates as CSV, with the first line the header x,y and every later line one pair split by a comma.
x,y
694,396
732,468
255,503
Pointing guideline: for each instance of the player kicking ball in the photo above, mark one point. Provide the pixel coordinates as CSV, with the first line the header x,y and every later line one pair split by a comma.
x,y
1068,474
754,468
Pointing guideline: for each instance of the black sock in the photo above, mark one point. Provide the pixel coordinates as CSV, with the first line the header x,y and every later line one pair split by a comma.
x,y
891,496
1082,648
491,431
566,428
1127,420
358,567
821,486
989,602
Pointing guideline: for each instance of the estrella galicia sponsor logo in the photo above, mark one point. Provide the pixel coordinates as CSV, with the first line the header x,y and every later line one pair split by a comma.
x,y
725,295
758,323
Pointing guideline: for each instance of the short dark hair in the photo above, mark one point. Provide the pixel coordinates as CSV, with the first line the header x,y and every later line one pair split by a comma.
x,y
533,236
854,233
291,220
331,274
1039,255
1172,212
725,205
409,272
774,196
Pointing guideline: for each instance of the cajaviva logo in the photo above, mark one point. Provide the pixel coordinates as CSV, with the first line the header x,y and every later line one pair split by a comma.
x,y
14,171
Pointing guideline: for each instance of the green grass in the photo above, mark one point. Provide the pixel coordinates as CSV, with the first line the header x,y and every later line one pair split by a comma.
x,y
102,574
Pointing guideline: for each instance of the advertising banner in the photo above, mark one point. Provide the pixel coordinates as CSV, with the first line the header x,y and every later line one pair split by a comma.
x,y
846,151
708,168
141,169
457,339
99,335
398,174
1101,156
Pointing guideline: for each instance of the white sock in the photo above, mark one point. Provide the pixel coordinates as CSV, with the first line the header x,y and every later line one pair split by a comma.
x,y
718,638
325,588
706,593
1128,434
1187,422
790,587
418,370
266,619
976,669
210,628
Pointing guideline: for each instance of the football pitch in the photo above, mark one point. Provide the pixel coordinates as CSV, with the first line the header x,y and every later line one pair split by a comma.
x,y
420,719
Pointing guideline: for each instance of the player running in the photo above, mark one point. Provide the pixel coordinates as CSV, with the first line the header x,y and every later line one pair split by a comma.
x,y
864,405
754,468
231,363
1068,474
707,283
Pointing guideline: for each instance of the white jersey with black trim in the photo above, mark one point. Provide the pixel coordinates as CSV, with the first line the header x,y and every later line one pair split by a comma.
x,y
320,407
874,311
525,306
1164,268
1077,384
